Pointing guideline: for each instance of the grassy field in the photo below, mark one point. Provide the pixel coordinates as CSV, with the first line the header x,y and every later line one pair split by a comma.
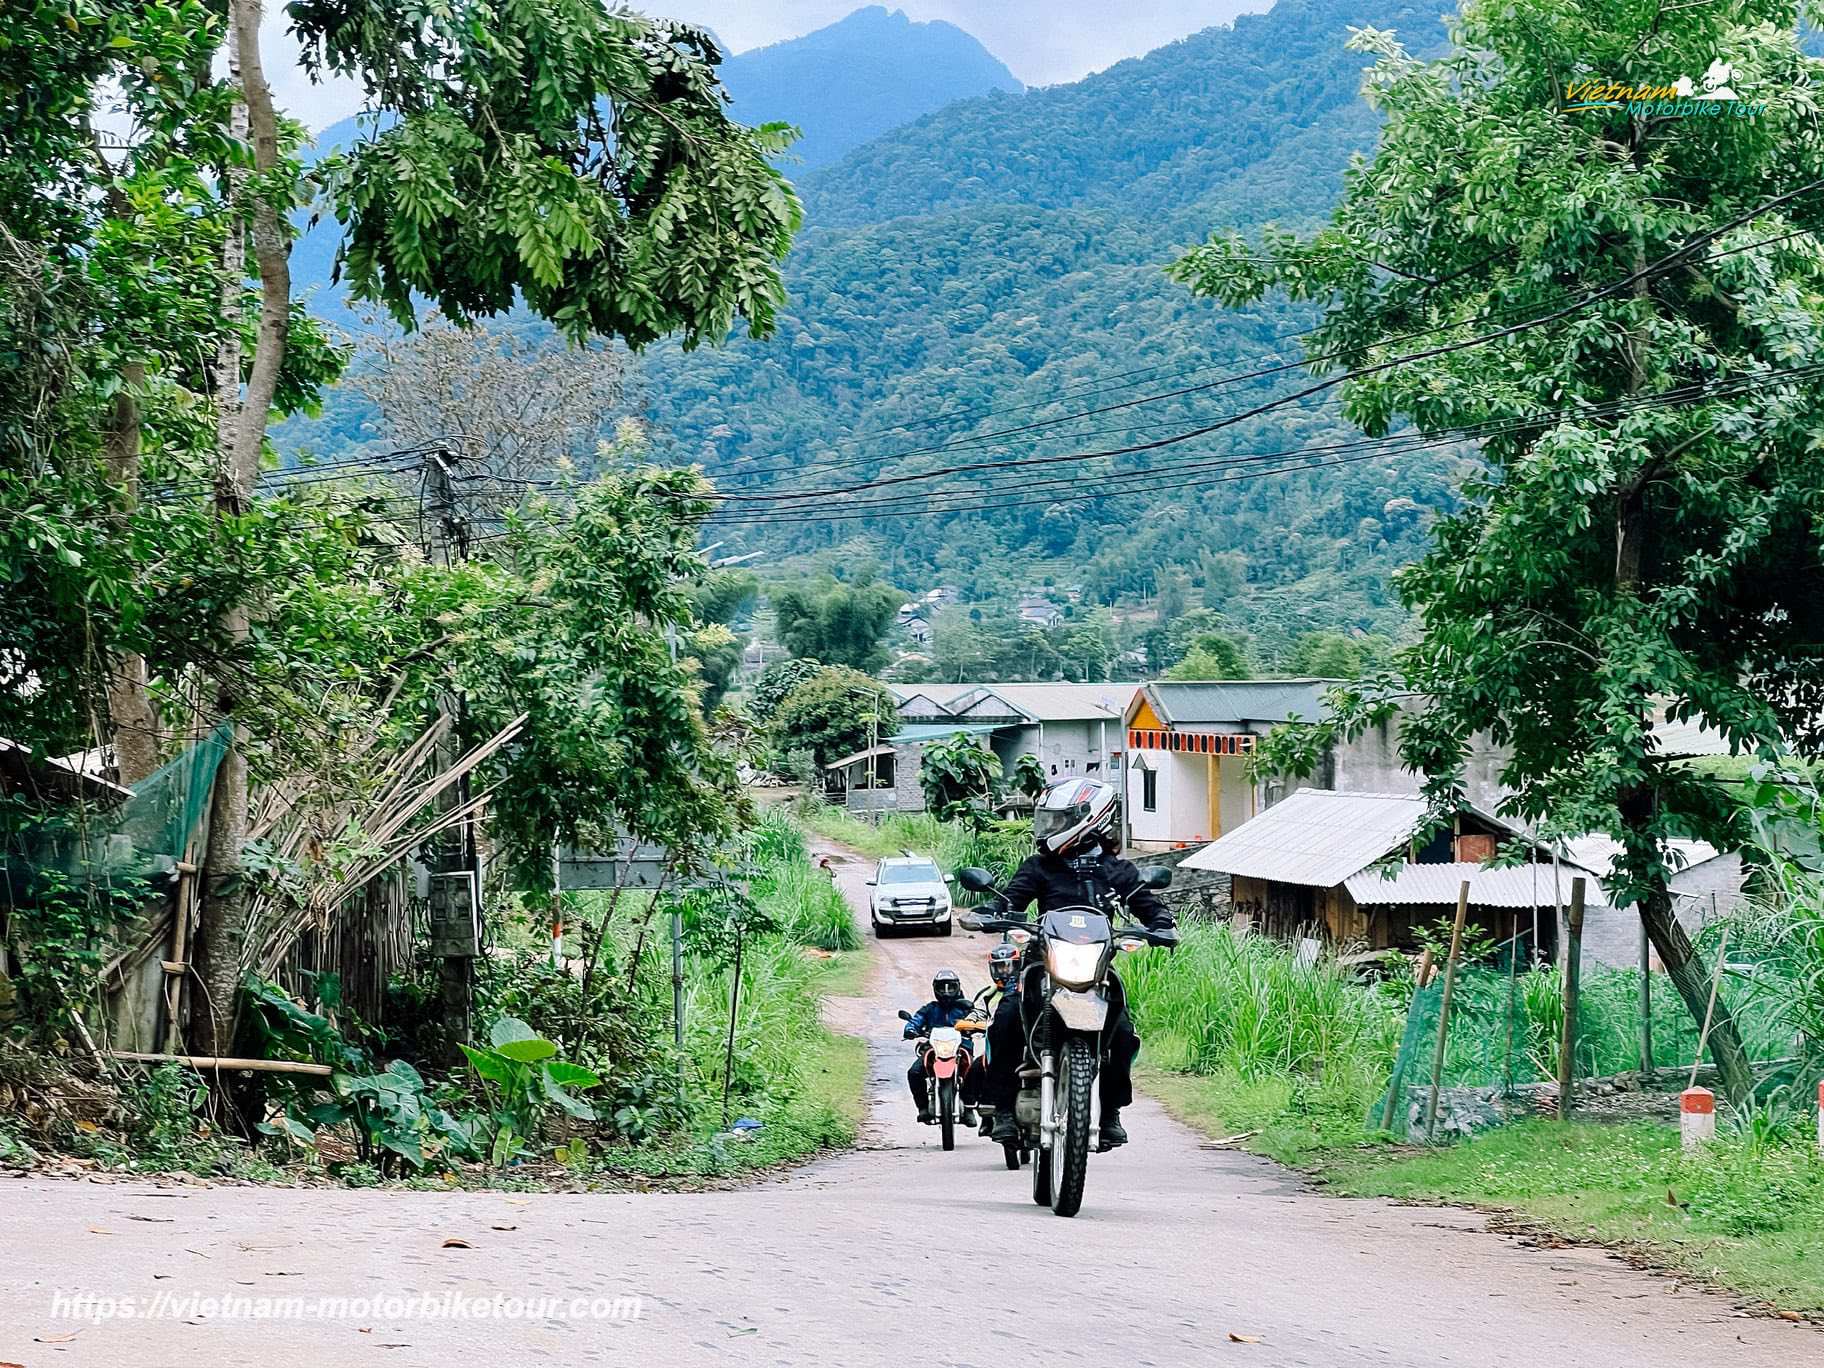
x,y
1242,1041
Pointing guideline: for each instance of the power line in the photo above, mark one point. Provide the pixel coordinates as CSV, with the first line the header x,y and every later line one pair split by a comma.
x,y
1370,448
1669,261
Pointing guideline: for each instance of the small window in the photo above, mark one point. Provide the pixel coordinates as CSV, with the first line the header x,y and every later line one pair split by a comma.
x,y
1149,790
1070,765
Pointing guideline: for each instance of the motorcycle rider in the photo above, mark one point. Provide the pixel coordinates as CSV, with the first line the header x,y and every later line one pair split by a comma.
x,y
948,1006
1075,826
1003,969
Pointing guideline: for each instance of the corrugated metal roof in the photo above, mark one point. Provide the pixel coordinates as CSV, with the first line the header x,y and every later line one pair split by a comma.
x,y
878,752
1437,884
1315,837
1599,853
1042,702
934,731
1233,702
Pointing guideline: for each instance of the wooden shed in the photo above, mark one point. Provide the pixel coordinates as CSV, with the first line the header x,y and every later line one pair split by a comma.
x,y
1349,867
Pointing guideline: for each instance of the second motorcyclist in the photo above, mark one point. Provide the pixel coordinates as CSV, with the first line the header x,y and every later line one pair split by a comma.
x,y
948,1006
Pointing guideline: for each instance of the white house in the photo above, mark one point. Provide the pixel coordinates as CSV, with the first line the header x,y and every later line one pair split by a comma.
x,y
1069,728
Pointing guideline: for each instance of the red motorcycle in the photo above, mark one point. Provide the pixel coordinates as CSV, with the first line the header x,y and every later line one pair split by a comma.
x,y
947,1056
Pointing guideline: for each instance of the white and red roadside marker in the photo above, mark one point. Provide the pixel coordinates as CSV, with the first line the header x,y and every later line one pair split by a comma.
x,y
1821,1116
1697,1117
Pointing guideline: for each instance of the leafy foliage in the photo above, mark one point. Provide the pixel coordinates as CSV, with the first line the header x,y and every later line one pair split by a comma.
x,y
523,1078
1625,310
959,777
834,713
839,623
533,146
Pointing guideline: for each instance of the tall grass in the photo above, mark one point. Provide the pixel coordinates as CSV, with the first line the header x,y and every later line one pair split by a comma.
x,y
1296,1046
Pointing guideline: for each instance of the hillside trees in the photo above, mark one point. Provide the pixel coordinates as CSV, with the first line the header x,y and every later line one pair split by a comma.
x,y
1628,307
587,167
836,622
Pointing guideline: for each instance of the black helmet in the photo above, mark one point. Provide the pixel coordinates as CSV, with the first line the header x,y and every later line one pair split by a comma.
x,y
1003,960
946,986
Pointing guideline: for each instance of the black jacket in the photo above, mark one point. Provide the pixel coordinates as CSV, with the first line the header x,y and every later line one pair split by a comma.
x,y
1053,881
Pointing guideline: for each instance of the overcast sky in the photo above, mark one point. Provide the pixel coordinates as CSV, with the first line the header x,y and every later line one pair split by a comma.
x,y
1042,41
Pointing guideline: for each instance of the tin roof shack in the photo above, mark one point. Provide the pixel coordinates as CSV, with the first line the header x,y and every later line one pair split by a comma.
x,y
1322,861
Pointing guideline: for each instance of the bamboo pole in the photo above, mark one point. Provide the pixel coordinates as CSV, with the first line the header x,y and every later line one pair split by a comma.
x,y
224,1062
1450,984
1573,981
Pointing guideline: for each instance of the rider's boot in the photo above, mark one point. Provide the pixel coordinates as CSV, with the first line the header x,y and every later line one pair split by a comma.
x,y
926,1116
970,1117
1113,1134
1006,1130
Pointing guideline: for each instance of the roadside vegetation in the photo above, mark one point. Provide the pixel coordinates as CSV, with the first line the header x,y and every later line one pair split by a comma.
x,y
1292,1060
573,1078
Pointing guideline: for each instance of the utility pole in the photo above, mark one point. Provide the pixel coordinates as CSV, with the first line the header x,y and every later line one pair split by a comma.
x,y
455,875
677,914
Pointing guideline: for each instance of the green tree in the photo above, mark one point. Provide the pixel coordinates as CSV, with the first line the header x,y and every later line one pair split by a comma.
x,y
834,713
587,168
1325,655
725,596
1213,656
1624,306
843,624
777,681
958,777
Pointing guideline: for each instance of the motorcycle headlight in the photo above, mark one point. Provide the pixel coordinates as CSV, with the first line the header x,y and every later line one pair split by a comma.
x,y
945,1042
1074,966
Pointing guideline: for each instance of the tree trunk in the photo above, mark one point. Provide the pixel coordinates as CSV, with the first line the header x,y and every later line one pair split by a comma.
x,y
240,435
135,724
1688,975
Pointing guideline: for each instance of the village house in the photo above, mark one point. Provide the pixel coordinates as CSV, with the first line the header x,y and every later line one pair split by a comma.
x,y
1349,868
1070,729
1190,744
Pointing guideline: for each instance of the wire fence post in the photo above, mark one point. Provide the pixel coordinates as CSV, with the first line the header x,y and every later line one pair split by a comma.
x,y
734,1009
1573,974
1450,983
1646,1002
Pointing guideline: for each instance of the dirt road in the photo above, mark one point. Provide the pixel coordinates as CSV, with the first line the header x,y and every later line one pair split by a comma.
x,y
895,1254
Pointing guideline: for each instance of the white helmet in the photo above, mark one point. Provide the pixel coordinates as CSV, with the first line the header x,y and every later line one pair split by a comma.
x,y
1074,813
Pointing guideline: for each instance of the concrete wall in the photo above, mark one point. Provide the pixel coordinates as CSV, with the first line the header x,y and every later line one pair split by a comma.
x,y
1070,747
1700,894
1371,764
906,795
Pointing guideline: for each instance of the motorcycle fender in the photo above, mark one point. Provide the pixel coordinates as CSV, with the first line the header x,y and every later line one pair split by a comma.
x,y
1080,1011
944,1068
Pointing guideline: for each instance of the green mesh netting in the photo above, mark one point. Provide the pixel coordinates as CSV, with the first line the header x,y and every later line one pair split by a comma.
x,y
140,837
1507,1022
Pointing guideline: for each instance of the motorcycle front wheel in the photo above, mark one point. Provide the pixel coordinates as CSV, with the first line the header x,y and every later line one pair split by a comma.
x,y
1067,1161
946,1110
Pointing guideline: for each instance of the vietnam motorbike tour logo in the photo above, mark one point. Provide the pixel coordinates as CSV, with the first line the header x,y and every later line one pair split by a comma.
x,y
1712,96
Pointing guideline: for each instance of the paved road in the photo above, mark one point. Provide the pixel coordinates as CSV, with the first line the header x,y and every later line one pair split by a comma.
x,y
880,1257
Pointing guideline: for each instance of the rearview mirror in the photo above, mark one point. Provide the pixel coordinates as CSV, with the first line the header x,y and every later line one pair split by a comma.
x,y
872,882
1157,876
904,1015
974,879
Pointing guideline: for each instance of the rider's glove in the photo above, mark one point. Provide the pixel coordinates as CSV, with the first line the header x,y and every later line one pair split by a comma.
x,y
911,1032
1166,936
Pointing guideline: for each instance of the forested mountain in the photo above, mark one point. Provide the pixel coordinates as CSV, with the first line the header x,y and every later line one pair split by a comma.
x,y
858,78
1000,263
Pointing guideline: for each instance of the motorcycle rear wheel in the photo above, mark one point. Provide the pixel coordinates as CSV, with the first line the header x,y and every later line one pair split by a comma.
x,y
1012,1153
